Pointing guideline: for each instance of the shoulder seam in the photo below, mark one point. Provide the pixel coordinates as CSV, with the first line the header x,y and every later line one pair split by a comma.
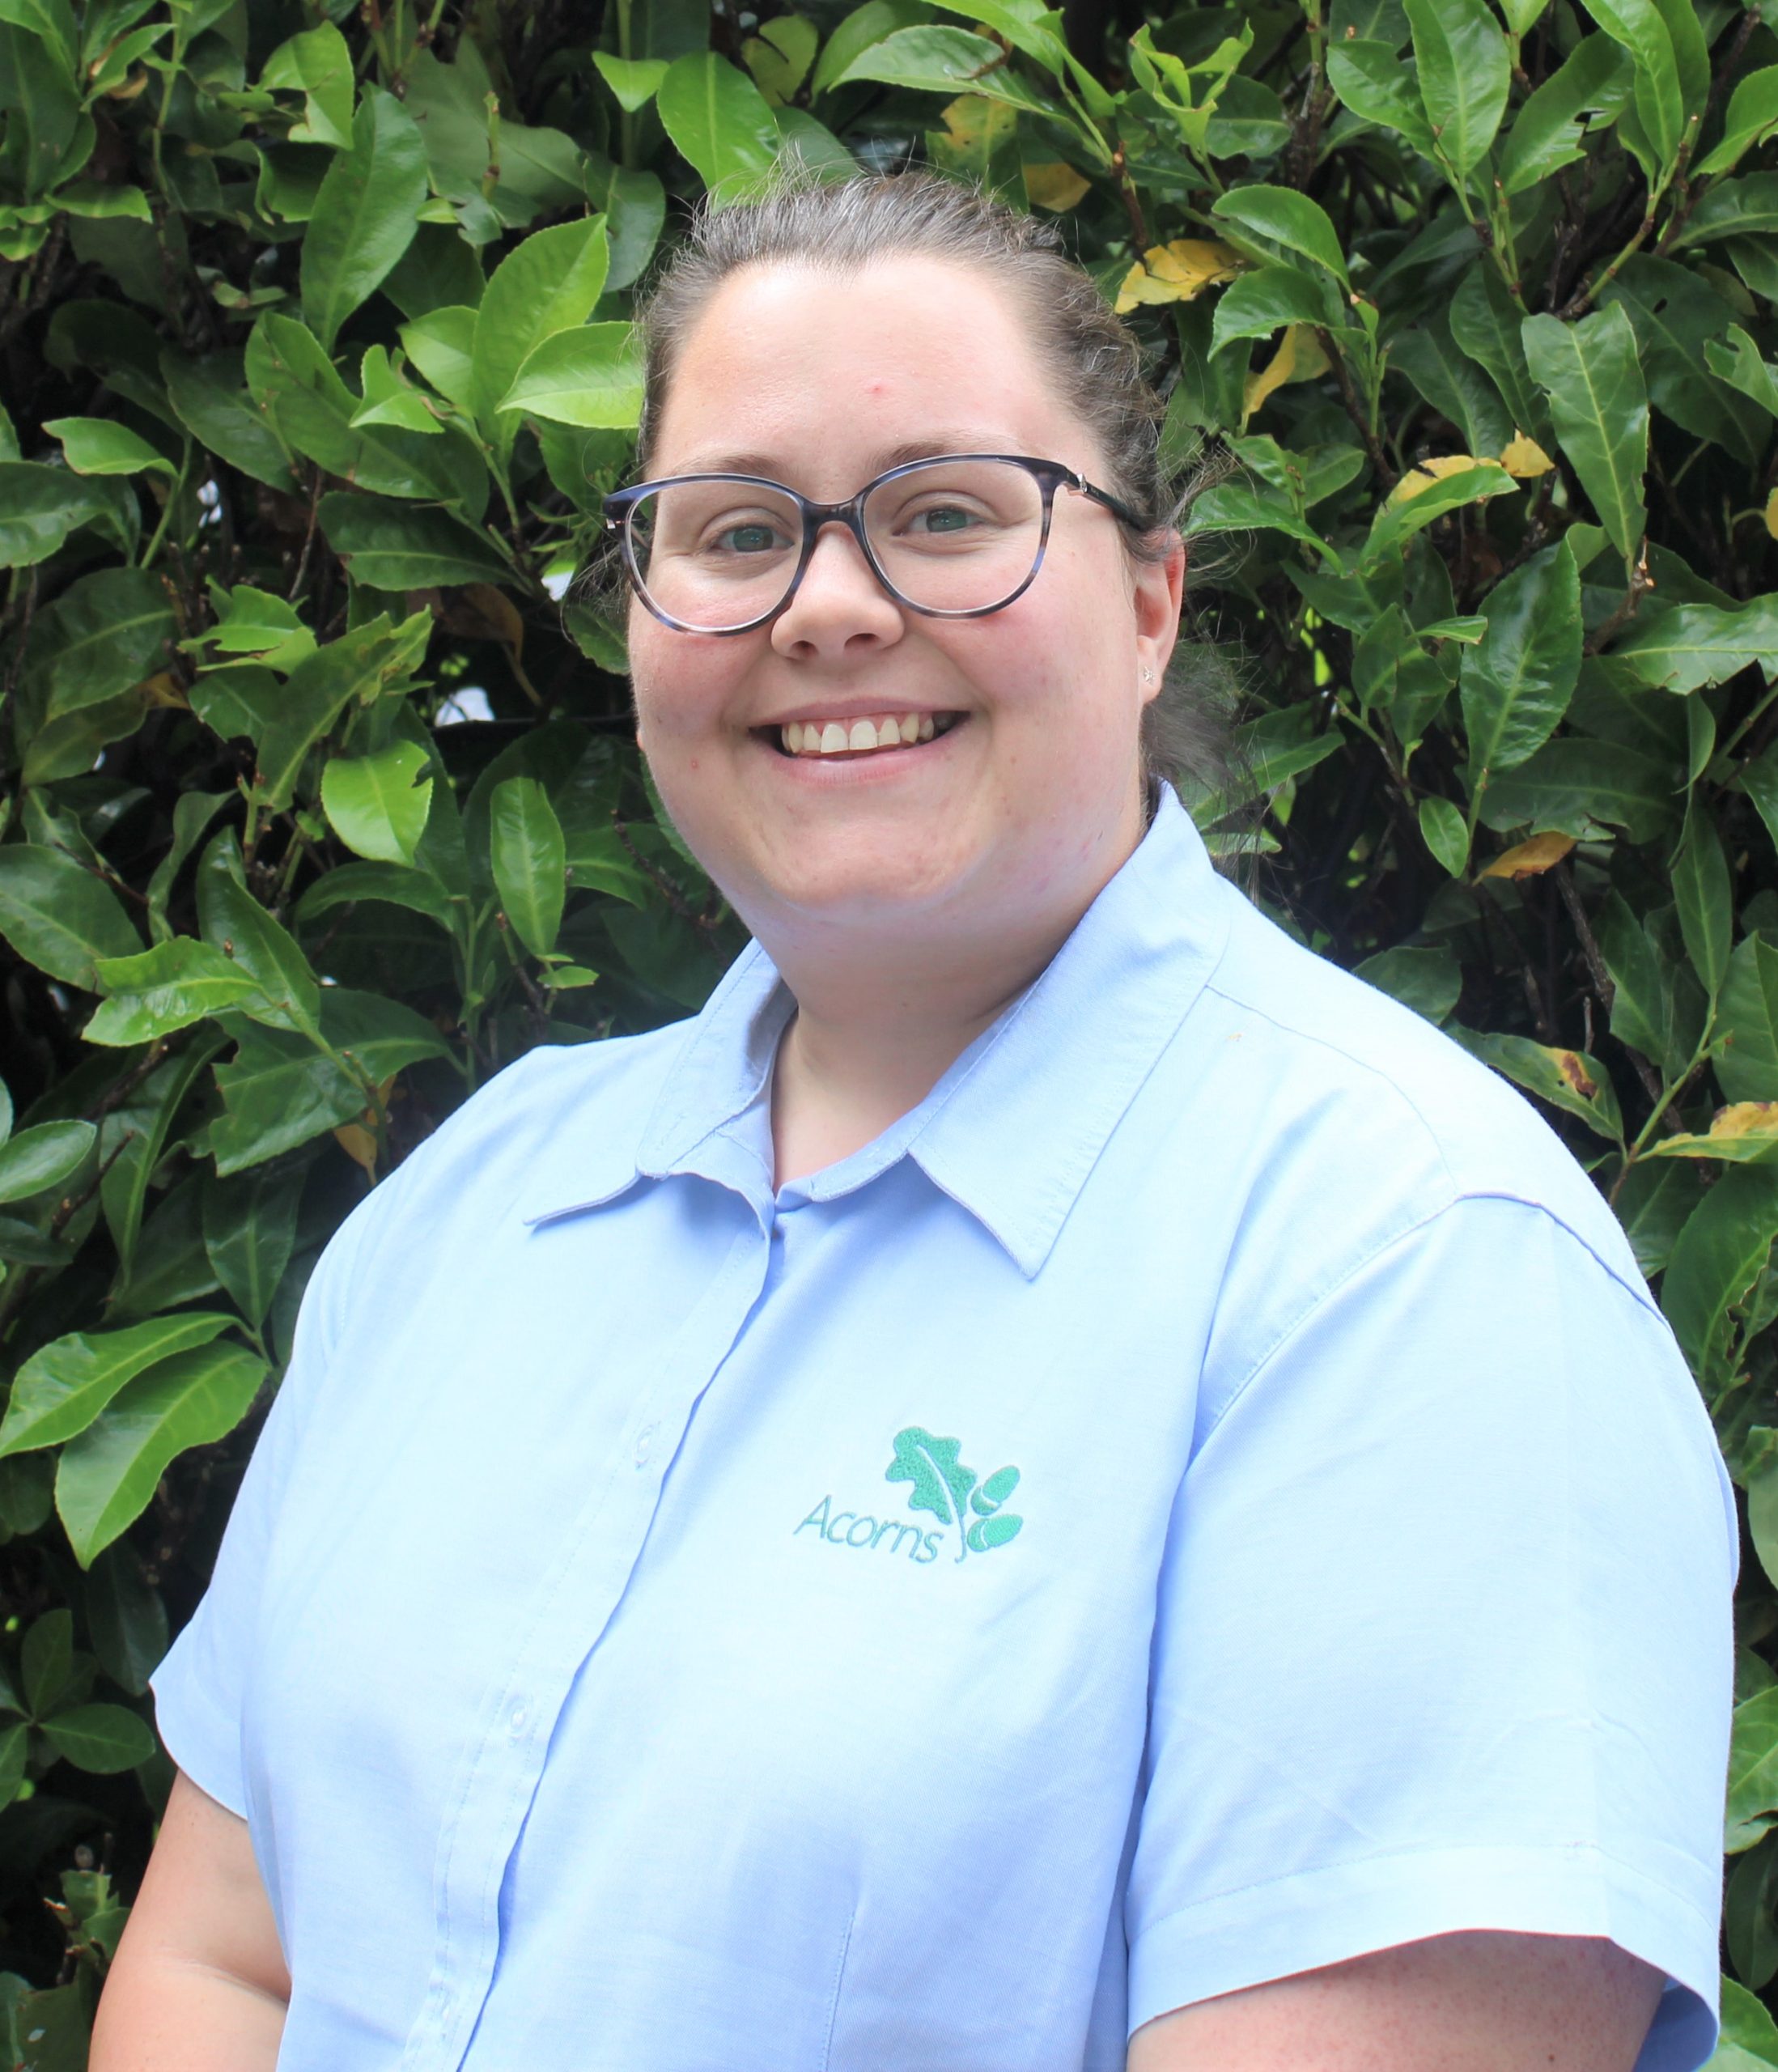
x,y
1639,1292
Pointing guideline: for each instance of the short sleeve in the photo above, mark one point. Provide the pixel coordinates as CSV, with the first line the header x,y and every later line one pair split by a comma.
x,y
199,1686
1444,1634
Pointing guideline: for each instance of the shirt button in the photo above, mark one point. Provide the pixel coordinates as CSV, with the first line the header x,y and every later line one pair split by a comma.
x,y
645,1442
515,1723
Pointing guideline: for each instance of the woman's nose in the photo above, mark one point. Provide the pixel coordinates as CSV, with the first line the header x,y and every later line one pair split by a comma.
x,y
839,605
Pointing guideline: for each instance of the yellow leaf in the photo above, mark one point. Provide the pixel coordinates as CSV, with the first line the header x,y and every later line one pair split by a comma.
x,y
1771,514
1528,858
1298,357
1424,473
357,1143
1178,272
1523,458
974,123
163,688
1746,1118
1054,186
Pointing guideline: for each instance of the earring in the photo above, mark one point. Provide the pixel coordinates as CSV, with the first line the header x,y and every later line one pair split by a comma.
x,y
1147,675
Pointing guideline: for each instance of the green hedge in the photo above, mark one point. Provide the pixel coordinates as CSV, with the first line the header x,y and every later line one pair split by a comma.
x,y
321,802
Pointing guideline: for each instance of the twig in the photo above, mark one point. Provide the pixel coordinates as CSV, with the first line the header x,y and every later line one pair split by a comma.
x,y
1355,408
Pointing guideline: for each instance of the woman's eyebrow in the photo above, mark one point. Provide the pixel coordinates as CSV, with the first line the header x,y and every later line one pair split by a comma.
x,y
725,463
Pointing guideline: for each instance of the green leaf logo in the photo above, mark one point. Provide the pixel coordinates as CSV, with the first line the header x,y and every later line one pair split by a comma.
x,y
943,1486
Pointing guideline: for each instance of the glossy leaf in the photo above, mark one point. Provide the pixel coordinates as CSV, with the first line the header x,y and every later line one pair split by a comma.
x,y
591,375
549,283
1596,78
530,861
1696,644
1281,216
38,1159
109,1474
60,1389
1599,406
1465,71
1517,680
100,1738
365,214
1568,1080
39,507
166,988
374,804
1747,1066
1718,1256
237,925
394,547
98,446
1639,26
1443,830
365,663
58,916
936,60
250,1232
1705,897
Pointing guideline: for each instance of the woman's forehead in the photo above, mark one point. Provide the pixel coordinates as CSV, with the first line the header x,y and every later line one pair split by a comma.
x,y
907,357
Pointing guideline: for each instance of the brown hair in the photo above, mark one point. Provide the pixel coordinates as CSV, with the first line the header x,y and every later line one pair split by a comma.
x,y
842,225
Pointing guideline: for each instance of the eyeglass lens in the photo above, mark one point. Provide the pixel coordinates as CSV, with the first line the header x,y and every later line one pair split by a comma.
x,y
954,536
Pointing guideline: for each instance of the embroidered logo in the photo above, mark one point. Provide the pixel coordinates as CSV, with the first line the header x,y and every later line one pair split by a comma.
x,y
943,1488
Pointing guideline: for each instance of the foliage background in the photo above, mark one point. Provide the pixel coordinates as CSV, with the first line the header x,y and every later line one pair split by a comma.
x,y
319,805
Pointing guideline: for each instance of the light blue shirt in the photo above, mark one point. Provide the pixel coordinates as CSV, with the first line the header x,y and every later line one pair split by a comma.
x,y
1205,1494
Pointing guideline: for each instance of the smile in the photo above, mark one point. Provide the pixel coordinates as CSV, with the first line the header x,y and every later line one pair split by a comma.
x,y
869,736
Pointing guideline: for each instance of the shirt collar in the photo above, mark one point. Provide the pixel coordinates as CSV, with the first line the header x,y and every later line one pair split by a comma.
x,y
1014,1128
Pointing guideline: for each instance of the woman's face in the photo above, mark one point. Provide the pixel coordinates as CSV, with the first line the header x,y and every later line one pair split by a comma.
x,y
1027,798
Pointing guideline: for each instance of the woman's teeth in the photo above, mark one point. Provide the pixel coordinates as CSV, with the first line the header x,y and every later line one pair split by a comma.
x,y
860,737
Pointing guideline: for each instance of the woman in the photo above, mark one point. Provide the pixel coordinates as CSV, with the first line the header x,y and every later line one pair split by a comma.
x,y
1049,1476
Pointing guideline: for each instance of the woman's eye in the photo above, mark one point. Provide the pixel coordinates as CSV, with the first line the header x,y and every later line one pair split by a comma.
x,y
942,519
746,539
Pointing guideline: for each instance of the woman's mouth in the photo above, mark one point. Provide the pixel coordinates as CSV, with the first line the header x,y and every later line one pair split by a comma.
x,y
876,733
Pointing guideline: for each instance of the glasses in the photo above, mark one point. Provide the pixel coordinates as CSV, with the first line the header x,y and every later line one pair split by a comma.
x,y
954,537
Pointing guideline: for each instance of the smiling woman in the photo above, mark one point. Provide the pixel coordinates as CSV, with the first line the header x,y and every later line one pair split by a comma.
x,y
1018,1135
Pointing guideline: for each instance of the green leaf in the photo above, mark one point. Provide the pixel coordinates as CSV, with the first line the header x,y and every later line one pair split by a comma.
x,y
1569,1080
1427,980
126,1619
209,396
1444,832
166,988
1705,895
633,81
417,890
318,65
1746,1065
1485,323
858,30
98,446
52,21
295,383
719,122
1517,680
1677,317
1693,645
1639,27
1717,1259
47,1661
109,1475
1735,359
368,662
442,345
133,1134
14,1741
1752,117
365,215
102,636
1464,70
530,861
40,505
1236,508
1749,2036
1753,1770
591,376
1283,216
38,1159
1576,786
255,622
64,1386
1372,81
1254,305
389,400
396,546
250,1232
1747,208
58,916
549,283
235,923
101,1738
942,60
1403,514
1454,384
375,802
1596,79
1591,374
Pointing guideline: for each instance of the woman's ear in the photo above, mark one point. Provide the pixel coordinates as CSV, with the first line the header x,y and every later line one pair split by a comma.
x,y
1159,593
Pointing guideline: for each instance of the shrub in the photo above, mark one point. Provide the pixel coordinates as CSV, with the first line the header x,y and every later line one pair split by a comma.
x,y
321,804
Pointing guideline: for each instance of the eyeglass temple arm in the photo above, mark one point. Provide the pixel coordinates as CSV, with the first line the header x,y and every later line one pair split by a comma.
x,y
1114,505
